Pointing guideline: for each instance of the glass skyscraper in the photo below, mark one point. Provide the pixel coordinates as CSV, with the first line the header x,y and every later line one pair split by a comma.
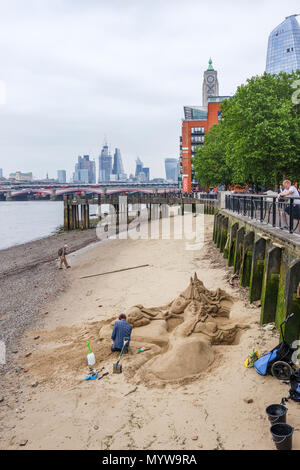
x,y
118,169
61,176
85,170
172,167
138,167
284,47
105,164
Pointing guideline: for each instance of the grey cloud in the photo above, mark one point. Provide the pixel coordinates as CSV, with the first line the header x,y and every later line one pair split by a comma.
x,y
76,70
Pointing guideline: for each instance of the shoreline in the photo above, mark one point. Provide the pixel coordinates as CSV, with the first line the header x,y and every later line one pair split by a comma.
x,y
58,230
30,280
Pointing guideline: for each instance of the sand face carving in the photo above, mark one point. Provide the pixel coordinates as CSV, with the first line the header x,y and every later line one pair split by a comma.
x,y
181,334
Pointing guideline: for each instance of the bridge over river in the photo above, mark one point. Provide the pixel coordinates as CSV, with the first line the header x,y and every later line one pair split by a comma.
x,y
54,192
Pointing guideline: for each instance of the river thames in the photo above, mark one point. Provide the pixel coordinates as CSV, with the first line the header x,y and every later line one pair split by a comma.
x,y
25,221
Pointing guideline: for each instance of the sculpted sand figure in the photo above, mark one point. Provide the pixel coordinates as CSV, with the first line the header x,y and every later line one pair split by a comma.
x,y
185,330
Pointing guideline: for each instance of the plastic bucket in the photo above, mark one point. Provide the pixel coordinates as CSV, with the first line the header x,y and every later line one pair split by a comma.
x,y
282,435
276,413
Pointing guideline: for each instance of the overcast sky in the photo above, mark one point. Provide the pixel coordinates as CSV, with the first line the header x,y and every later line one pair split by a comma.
x,y
76,71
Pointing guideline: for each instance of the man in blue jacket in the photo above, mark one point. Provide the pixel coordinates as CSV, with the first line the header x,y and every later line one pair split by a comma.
x,y
121,331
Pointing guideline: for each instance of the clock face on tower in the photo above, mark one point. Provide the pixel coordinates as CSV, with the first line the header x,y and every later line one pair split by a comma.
x,y
210,79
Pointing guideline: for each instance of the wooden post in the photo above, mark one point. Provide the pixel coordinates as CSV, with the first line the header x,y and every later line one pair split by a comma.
x,y
73,216
77,216
81,215
66,213
70,213
87,213
117,215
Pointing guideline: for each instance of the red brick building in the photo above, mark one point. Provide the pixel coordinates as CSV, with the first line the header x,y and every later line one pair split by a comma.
x,y
196,123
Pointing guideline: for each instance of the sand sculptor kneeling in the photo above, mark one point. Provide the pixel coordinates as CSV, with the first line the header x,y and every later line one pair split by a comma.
x,y
181,335
121,330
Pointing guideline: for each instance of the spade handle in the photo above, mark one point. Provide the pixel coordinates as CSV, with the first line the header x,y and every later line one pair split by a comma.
x,y
88,343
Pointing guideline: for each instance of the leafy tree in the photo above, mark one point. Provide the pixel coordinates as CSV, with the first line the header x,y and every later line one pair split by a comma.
x,y
209,161
259,134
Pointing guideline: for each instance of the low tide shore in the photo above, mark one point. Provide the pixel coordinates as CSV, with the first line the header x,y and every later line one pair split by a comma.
x,y
48,405
29,279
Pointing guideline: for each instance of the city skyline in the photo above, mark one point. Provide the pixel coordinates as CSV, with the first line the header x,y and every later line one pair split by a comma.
x,y
134,75
81,163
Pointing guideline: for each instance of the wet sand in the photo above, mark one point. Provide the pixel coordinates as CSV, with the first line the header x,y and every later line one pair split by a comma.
x,y
51,407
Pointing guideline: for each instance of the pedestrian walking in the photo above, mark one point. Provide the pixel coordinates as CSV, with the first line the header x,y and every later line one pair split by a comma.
x,y
62,252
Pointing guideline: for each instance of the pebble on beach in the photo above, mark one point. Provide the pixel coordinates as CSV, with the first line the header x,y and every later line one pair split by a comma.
x,y
248,400
23,443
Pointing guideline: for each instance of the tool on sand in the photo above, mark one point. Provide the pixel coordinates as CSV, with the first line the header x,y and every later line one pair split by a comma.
x,y
117,271
117,367
143,350
92,375
91,356
103,375
131,391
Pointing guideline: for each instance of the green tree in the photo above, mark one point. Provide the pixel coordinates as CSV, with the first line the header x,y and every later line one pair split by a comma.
x,y
209,162
259,134
263,130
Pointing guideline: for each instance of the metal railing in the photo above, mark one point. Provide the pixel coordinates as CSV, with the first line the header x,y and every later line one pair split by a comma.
x,y
206,196
283,213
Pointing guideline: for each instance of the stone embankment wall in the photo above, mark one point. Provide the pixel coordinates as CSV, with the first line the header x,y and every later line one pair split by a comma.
x,y
268,262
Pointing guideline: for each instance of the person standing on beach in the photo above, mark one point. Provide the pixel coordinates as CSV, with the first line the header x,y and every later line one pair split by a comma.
x,y
62,256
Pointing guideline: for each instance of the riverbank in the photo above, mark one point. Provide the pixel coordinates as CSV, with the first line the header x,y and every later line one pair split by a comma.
x,y
48,405
30,280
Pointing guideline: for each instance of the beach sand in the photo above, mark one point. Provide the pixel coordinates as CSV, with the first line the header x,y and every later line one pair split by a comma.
x,y
29,281
49,405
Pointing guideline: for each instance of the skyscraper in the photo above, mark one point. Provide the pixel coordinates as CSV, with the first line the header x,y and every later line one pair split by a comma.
x,y
85,170
171,166
118,169
146,171
284,47
105,164
139,167
61,176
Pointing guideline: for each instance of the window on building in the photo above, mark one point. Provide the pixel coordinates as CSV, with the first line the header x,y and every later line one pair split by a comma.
x,y
197,130
197,139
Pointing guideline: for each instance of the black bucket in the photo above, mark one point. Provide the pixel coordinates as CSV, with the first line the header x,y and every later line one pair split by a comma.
x,y
276,413
282,435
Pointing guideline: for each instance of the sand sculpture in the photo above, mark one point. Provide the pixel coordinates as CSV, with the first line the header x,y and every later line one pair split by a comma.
x,y
182,333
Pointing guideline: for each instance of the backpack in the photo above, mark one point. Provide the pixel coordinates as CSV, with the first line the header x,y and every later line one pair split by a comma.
x,y
261,365
60,252
295,386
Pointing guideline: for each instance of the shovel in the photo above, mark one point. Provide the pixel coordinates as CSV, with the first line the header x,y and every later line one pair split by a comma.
x,y
117,367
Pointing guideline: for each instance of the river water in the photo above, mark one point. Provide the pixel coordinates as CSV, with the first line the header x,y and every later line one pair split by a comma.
x,y
25,221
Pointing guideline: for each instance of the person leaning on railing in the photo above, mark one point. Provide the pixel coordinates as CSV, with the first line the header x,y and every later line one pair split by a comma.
x,y
290,190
